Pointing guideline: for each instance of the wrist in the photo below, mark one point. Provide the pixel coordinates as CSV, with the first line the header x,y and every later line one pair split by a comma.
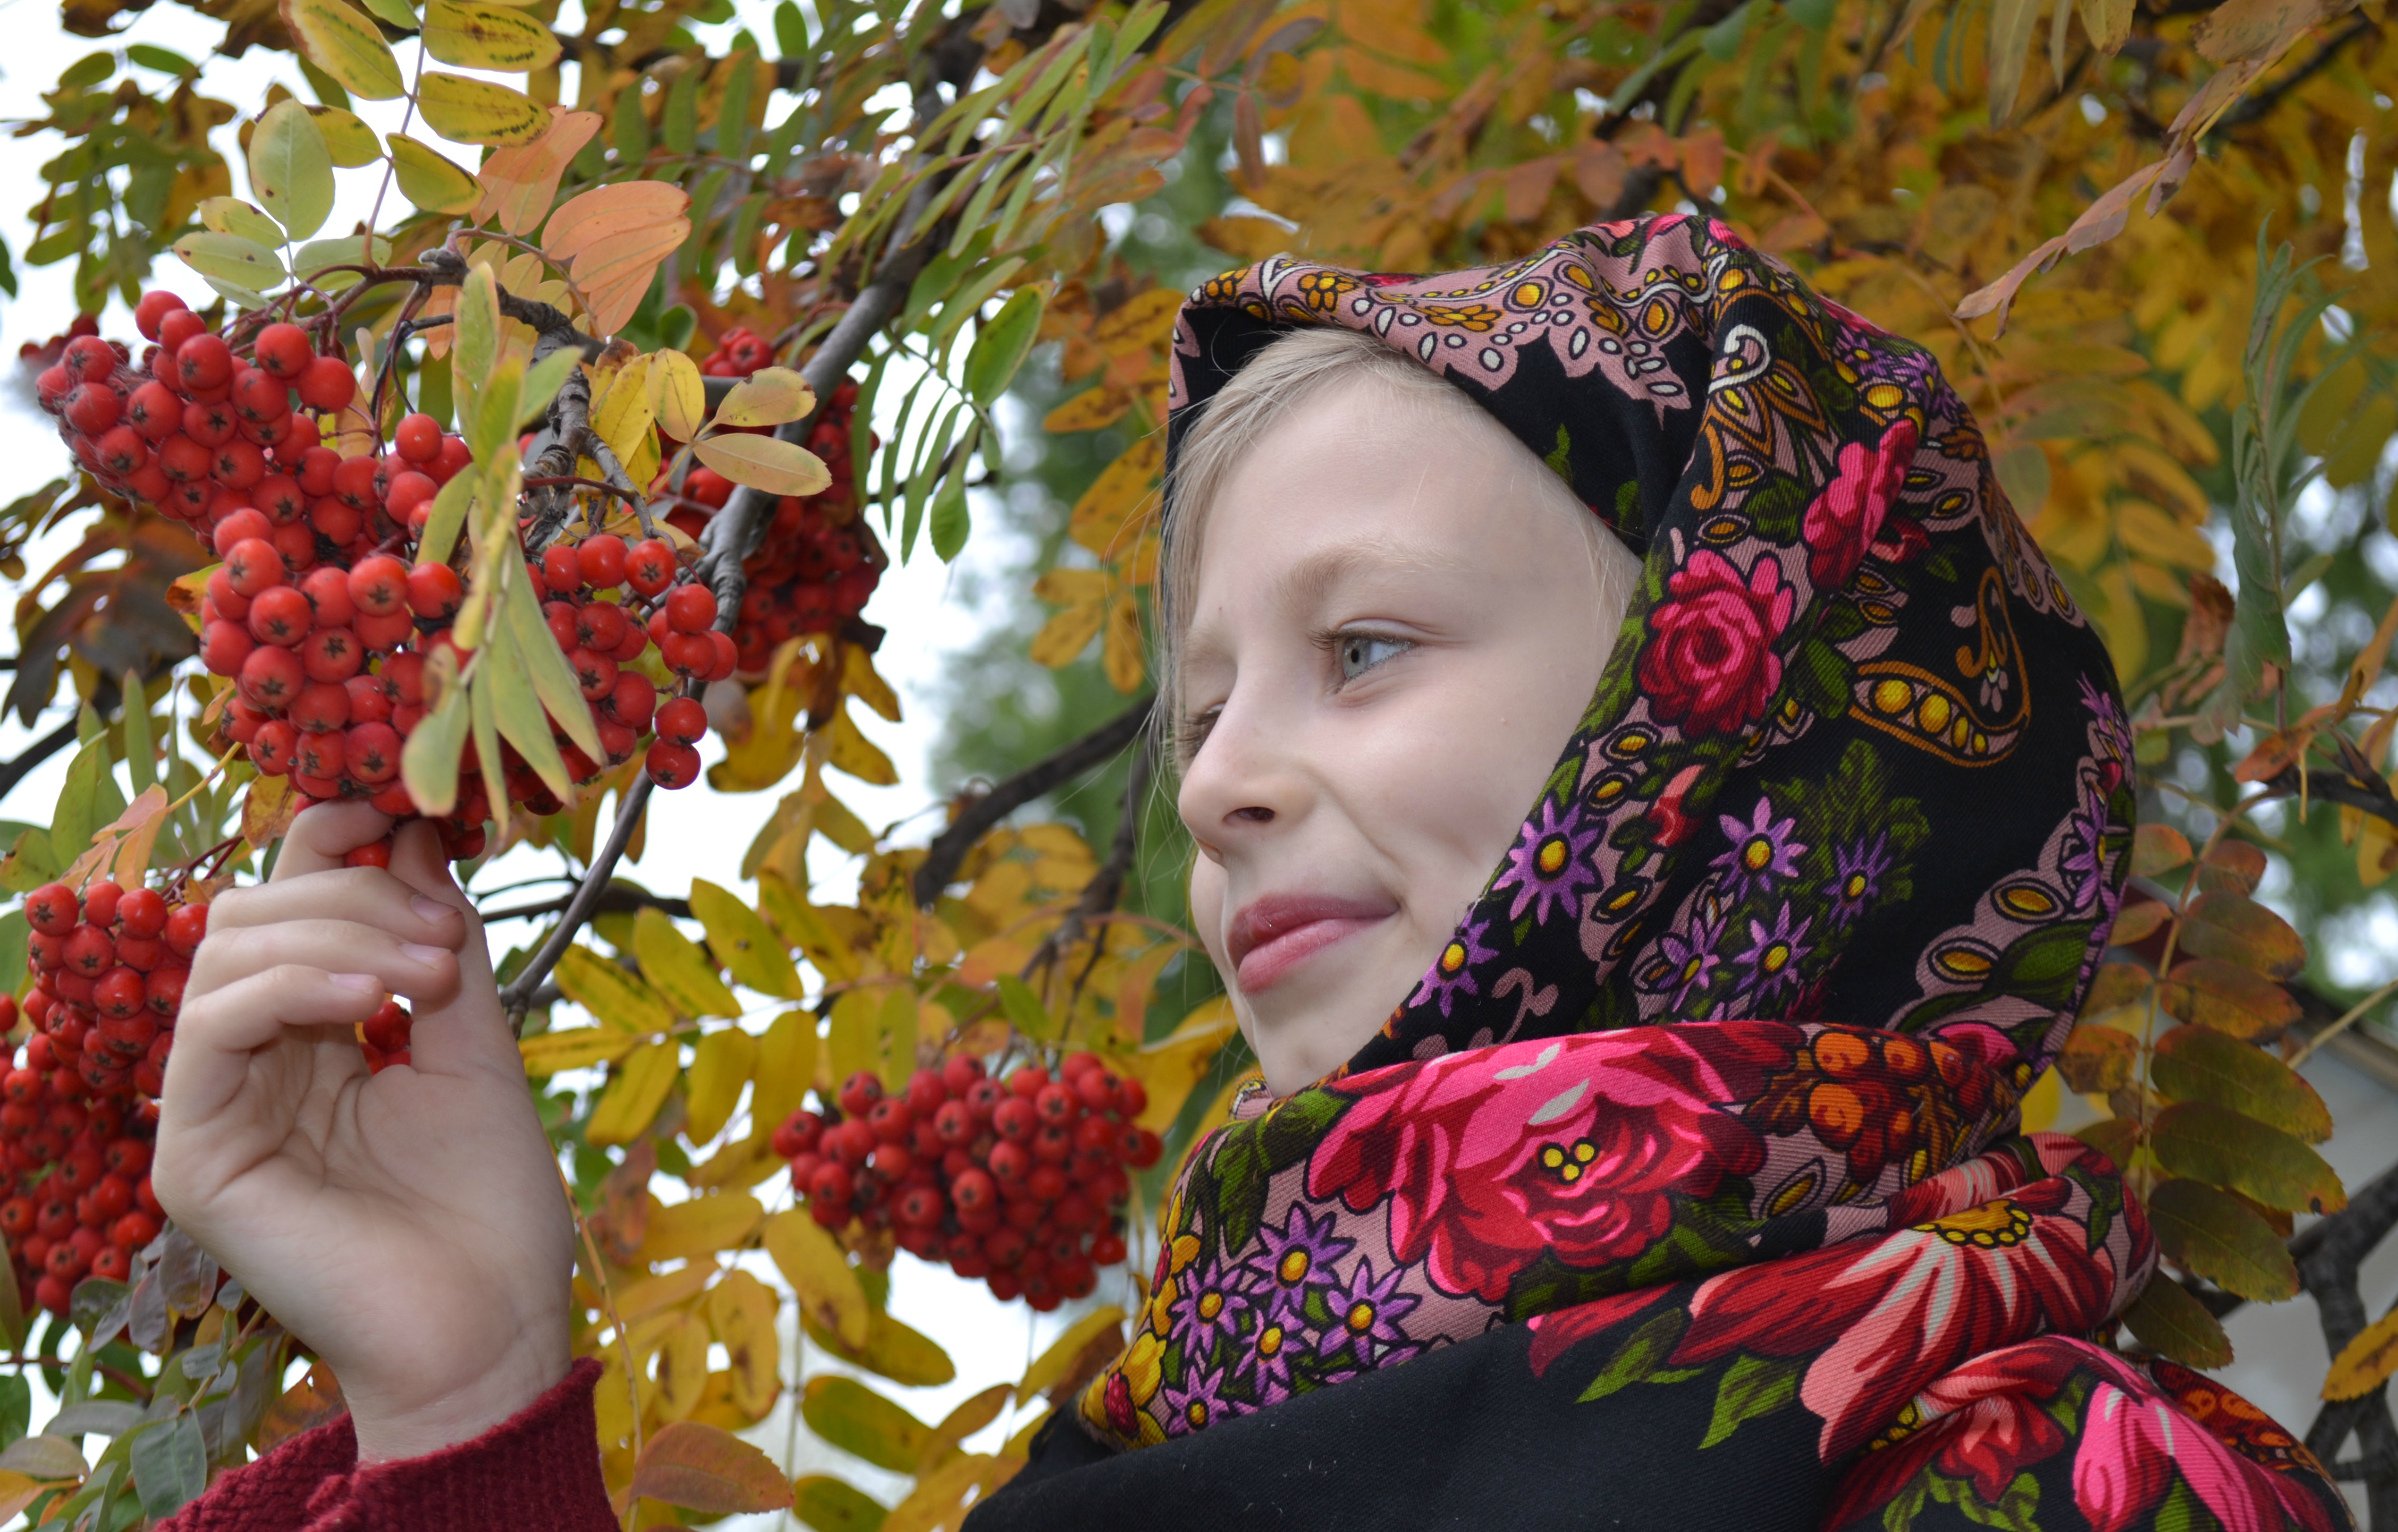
x,y
386,1433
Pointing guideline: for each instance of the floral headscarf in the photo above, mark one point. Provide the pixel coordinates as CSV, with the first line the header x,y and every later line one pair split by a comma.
x,y
1688,1185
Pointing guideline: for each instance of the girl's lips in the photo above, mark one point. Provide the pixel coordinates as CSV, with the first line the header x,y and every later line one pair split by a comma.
x,y
1269,960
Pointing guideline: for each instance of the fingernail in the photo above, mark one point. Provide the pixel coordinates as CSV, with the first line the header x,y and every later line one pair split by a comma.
x,y
422,953
427,908
363,981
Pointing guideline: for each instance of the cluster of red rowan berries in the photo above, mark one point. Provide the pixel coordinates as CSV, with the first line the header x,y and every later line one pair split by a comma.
x,y
1020,1182
78,1112
819,561
316,614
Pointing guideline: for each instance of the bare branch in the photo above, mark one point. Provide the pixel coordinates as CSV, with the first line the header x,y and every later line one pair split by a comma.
x,y
948,850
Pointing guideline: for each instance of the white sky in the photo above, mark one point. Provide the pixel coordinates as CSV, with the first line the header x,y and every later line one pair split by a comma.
x,y
693,833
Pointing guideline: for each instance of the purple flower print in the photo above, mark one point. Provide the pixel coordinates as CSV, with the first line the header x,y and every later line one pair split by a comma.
x,y
1857,873
1366,1315
1452,973
1299,1256
1266,1356
1687,958
1197,1400
1549,865
2080,859
1773,957
1763,851
1213,1309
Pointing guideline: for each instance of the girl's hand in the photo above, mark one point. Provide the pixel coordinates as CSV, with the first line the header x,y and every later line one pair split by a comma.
x,y
409,1226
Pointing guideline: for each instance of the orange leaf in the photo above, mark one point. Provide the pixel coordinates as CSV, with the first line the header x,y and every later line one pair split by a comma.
x,y
703,1468
610,211
615,271
521,181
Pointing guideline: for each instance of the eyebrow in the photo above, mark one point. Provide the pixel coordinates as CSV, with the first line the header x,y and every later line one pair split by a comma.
x,y
1306,582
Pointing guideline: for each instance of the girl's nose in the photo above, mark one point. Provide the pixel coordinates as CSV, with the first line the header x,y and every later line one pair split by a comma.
x,y
1243,777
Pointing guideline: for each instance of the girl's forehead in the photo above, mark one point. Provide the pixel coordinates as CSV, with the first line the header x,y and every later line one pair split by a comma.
x,y
1309,575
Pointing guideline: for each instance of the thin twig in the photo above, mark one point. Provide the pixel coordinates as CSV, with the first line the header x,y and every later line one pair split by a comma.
x,y
948,850
516,997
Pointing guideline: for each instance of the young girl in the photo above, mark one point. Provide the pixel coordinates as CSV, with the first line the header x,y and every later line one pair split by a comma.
x,y
1643,1158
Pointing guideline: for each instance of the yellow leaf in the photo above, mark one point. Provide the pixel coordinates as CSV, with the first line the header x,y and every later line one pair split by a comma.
x,y
766,463
743,942
639,1300
935,1499
428,179
347,137
1171,1067
1120,654
1069,632
610,993
622,416
786,1068
813,1263
1120,491
851,751
893,1350
470,111
702,1226
346,44
859,679
487,37
676,396
682,1367
771,396
632,1099
521,181
742,1311
1087,411
547,1053
681,972
721,1065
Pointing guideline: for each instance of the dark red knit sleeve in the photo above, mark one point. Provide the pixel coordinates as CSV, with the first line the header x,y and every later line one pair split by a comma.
x,y
537,1471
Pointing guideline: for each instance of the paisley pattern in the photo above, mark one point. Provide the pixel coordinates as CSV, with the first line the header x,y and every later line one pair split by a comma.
x,y
1697,1144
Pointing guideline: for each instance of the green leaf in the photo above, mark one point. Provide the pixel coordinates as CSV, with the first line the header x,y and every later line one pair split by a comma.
x,y
553,679
429,761
311,259
1000,346
2199,1064
16,1395
1751,1386
291,170
743,942
544,378
2215,1235
893,1350
448,518
346,45
398,12
1024,1009
2229,998
231,215
88,799
228,258
681,972
478,329
516,706
861,1422
2167,1319
2230,1149
2237,929
831,1505
347,137
1640,1354
141,751
429,179
950,521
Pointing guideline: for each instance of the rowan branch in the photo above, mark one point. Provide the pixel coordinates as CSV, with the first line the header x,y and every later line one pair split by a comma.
x,y
614,899
580,906
948,850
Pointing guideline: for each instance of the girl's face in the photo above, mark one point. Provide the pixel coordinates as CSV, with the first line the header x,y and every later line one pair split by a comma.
x,y
1390,640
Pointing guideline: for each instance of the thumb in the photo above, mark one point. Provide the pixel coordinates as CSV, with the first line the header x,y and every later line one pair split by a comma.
x,y
466,1028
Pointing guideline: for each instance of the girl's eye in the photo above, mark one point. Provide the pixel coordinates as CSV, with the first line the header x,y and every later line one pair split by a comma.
x,y
1358,648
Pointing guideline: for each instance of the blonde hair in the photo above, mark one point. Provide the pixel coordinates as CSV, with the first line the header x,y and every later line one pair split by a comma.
x,y
1284,374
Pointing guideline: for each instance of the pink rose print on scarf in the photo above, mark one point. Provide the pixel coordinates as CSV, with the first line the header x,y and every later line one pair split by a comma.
x,y
1843,520
1579,1149
2134,1442
1884,1317
1710,663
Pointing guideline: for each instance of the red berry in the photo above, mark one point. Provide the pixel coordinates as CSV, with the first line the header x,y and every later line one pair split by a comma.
x,y
52,909
186,926
690,608
561,569
282,352
673,766
280,616
143,912
327,385
650,567
154,307
203,363
174,328
379,586
418,438
435,591
860,1092
271,677
603,559
682,721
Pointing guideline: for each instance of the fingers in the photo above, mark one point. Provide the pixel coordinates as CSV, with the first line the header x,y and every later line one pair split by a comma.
x,y
325,833
367,895
417,864
216,1034
418,970
469,1031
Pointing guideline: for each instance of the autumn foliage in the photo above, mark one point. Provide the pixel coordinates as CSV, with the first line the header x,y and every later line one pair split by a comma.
x,y
687,313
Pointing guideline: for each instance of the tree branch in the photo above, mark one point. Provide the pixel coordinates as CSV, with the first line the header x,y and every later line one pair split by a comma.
x,y
580,905
21,766
614,899
948,850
